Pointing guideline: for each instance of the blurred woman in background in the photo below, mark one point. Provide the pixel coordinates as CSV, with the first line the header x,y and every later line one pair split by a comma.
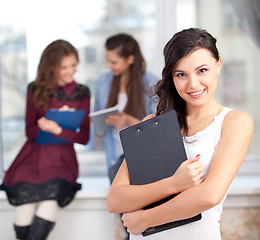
x,y
43,176
128,86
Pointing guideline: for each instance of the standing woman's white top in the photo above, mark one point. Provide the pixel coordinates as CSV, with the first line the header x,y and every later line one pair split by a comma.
x,y
205,143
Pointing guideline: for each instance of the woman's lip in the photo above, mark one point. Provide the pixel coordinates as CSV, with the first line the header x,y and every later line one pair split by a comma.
x,y
197,93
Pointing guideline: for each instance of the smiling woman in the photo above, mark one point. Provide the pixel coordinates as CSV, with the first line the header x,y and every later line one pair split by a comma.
x,y
44,176
196,82
67,69
212,135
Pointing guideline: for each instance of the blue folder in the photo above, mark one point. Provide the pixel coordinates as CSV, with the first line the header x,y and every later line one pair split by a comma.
x,y
66,119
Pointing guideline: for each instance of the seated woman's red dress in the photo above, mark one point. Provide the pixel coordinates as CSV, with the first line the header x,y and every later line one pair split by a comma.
x,y
48,171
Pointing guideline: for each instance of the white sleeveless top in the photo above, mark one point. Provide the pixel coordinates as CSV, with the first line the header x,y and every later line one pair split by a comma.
x,y
203,143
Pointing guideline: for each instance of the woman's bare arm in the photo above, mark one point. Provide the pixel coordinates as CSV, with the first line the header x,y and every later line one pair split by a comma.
x,y
237,131
124,197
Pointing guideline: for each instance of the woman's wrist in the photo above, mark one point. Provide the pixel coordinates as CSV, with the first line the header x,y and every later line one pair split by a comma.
x,y
130,120
148,217
127,120
172,185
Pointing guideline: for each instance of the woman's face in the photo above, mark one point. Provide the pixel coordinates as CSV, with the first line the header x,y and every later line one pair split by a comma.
x,y
117,64
195,77
67,69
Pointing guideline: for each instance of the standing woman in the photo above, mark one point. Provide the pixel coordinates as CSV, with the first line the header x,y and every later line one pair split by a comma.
x,y
216,135
126,85
43,176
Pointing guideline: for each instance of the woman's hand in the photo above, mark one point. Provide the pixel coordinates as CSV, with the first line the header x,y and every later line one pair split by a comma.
x,y
66,108
118,121
49,126
189,174
135,222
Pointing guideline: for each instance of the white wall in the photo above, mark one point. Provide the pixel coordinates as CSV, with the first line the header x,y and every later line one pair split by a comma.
x,y
87,218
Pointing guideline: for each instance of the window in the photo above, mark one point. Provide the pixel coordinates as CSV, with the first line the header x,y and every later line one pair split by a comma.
x,y
24,33
230,18
13,77
238,83
86,25
234,88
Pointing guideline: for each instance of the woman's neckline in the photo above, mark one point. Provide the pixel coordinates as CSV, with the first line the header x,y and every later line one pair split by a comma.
x,y
207,127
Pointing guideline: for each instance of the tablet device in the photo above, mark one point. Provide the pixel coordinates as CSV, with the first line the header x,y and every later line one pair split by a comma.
x,y
98,118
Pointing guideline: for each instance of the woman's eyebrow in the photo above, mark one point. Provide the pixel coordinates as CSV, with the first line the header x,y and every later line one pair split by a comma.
x,y
200,66
174,71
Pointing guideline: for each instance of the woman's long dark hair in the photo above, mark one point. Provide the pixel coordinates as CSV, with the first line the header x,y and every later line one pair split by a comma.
x,y
180,45
46,79
126,46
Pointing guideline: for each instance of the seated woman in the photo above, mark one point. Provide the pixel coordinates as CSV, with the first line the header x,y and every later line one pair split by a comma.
x,y
43,177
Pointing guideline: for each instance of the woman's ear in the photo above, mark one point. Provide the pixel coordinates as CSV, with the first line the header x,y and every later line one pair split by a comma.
x,y
219,65
131,59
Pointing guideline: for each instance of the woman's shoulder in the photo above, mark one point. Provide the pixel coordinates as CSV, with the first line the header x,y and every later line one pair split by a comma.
x,y
31,86
106,76
238,120
238,116
150,78
83,89
149,74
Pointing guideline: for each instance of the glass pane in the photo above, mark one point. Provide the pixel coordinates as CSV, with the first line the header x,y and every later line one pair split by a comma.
x,y
238,83
134,17
13,77
86,24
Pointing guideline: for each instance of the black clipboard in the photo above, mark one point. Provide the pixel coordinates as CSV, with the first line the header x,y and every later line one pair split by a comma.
x,y
66,119
154,150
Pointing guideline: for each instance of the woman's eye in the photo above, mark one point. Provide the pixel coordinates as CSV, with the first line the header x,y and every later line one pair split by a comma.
x,y
179,74
203,70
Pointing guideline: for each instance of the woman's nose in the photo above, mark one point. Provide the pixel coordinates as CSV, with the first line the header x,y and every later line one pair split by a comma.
x,y
194,82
